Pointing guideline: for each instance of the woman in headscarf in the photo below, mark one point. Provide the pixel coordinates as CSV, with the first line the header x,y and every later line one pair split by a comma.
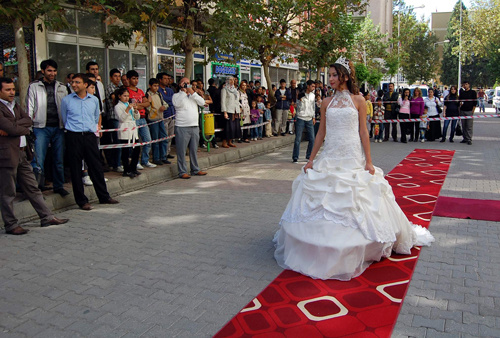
x,y
230,107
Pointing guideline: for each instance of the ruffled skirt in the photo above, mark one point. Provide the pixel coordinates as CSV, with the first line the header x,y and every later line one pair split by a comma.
x,y
340,219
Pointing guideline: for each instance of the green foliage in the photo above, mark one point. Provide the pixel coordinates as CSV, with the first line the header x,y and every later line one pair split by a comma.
x,y
362,72
374,78
50,11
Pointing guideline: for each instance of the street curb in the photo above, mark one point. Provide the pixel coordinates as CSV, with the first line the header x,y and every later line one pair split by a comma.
x,y
118,185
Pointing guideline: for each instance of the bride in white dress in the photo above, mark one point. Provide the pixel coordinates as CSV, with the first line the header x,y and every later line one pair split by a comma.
x,y
342,215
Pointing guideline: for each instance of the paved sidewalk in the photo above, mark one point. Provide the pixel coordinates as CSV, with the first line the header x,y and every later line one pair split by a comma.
x,y
180,258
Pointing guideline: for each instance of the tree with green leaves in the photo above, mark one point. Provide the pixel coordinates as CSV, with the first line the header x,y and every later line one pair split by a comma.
x,y
128,18
419,62
23,13
267,30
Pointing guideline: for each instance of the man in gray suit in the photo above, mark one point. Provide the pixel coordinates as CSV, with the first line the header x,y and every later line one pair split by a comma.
x,y
14,126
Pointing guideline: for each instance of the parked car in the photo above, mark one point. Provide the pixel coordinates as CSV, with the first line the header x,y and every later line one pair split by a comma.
x,y
496,100
490,93
423,88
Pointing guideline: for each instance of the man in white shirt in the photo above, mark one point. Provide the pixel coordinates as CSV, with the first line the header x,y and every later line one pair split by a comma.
x,y
305,120
186,103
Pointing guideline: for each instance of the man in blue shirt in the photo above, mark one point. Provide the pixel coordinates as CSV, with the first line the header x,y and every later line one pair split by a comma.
x,y
167,93
80,114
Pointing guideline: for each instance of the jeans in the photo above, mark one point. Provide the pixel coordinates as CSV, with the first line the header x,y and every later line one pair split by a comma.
x,y
445,128
55,137
423,131
145,136
481,105
300,125
158,131
380,130
259,129
253,131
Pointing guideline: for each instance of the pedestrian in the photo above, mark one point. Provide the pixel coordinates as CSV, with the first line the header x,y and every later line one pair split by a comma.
x,y
305,120
481,98
433,110
268,117
369,113
43,104
186,103
417,105
110,121
15,124
391,113
254,120
423,125
378,115
230,107
154,114
261,107
138,96
127,114
215,107
167,92
451,109
80,114
244,112
125,81
468,102
283,100
404,113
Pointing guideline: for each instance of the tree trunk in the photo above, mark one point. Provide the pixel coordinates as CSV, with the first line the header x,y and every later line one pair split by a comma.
x,y
22,59
271,97
188,47
318,73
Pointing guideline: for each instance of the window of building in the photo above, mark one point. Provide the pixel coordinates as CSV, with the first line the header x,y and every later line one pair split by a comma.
x,y
90,24
66,57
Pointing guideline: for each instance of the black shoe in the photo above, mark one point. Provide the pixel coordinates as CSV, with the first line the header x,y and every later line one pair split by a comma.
x,y
44,187
283,134
274,134
410,140
463,141
415,140
166,161
403,141
170,156
215,146
451,141
63,192
442,140
469,143
137,173
240,141
131,175
158,162
295,160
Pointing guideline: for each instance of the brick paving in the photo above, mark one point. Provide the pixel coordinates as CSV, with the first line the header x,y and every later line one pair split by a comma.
x,y
180,258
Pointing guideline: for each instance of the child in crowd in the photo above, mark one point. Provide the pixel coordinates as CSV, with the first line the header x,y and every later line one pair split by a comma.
x,y
254,118
424,125
127,114
369,113
268,118
261,107
155,113
378,114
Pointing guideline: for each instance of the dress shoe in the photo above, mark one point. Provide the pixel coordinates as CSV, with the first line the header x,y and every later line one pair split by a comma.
x,y
170,156
201,173
86,207
463,141
54,221
469,143
158,162
63,192
110,201
452,141
136,173
17,231
131,175
442,140
166,162
44,187
185,176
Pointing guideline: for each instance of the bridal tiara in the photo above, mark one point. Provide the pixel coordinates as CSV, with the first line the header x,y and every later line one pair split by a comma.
x,y
344,62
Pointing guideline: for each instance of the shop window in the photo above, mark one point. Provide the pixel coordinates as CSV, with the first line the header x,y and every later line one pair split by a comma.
x,y
256,74
166,64
140,64
119,59
93,54
199,71
164,37
90,24
65,56
70,15
179,69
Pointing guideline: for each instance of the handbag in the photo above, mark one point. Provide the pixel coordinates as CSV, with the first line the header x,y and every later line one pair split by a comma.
x,y
458,130
439,109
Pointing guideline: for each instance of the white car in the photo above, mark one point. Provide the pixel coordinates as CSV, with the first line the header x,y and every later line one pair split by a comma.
x,y
423,88
496,100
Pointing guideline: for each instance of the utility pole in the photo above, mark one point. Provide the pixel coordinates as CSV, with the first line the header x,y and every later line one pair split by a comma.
x,y
460,50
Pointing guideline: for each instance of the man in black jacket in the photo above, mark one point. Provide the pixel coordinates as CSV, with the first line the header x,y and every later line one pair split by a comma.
x,y
468,101
391,112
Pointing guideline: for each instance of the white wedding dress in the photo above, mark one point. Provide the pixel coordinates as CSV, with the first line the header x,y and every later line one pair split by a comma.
x,y
341,218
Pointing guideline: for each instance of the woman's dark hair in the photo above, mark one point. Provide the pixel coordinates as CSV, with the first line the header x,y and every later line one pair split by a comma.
x,y
409,93
116,95
301,95
351,78
451,95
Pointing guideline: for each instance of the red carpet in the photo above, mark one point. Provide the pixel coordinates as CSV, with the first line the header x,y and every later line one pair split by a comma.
x,y
484,210
297,306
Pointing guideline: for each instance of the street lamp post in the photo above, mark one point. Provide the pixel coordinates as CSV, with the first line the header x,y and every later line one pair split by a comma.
x,y
460,50
399,23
